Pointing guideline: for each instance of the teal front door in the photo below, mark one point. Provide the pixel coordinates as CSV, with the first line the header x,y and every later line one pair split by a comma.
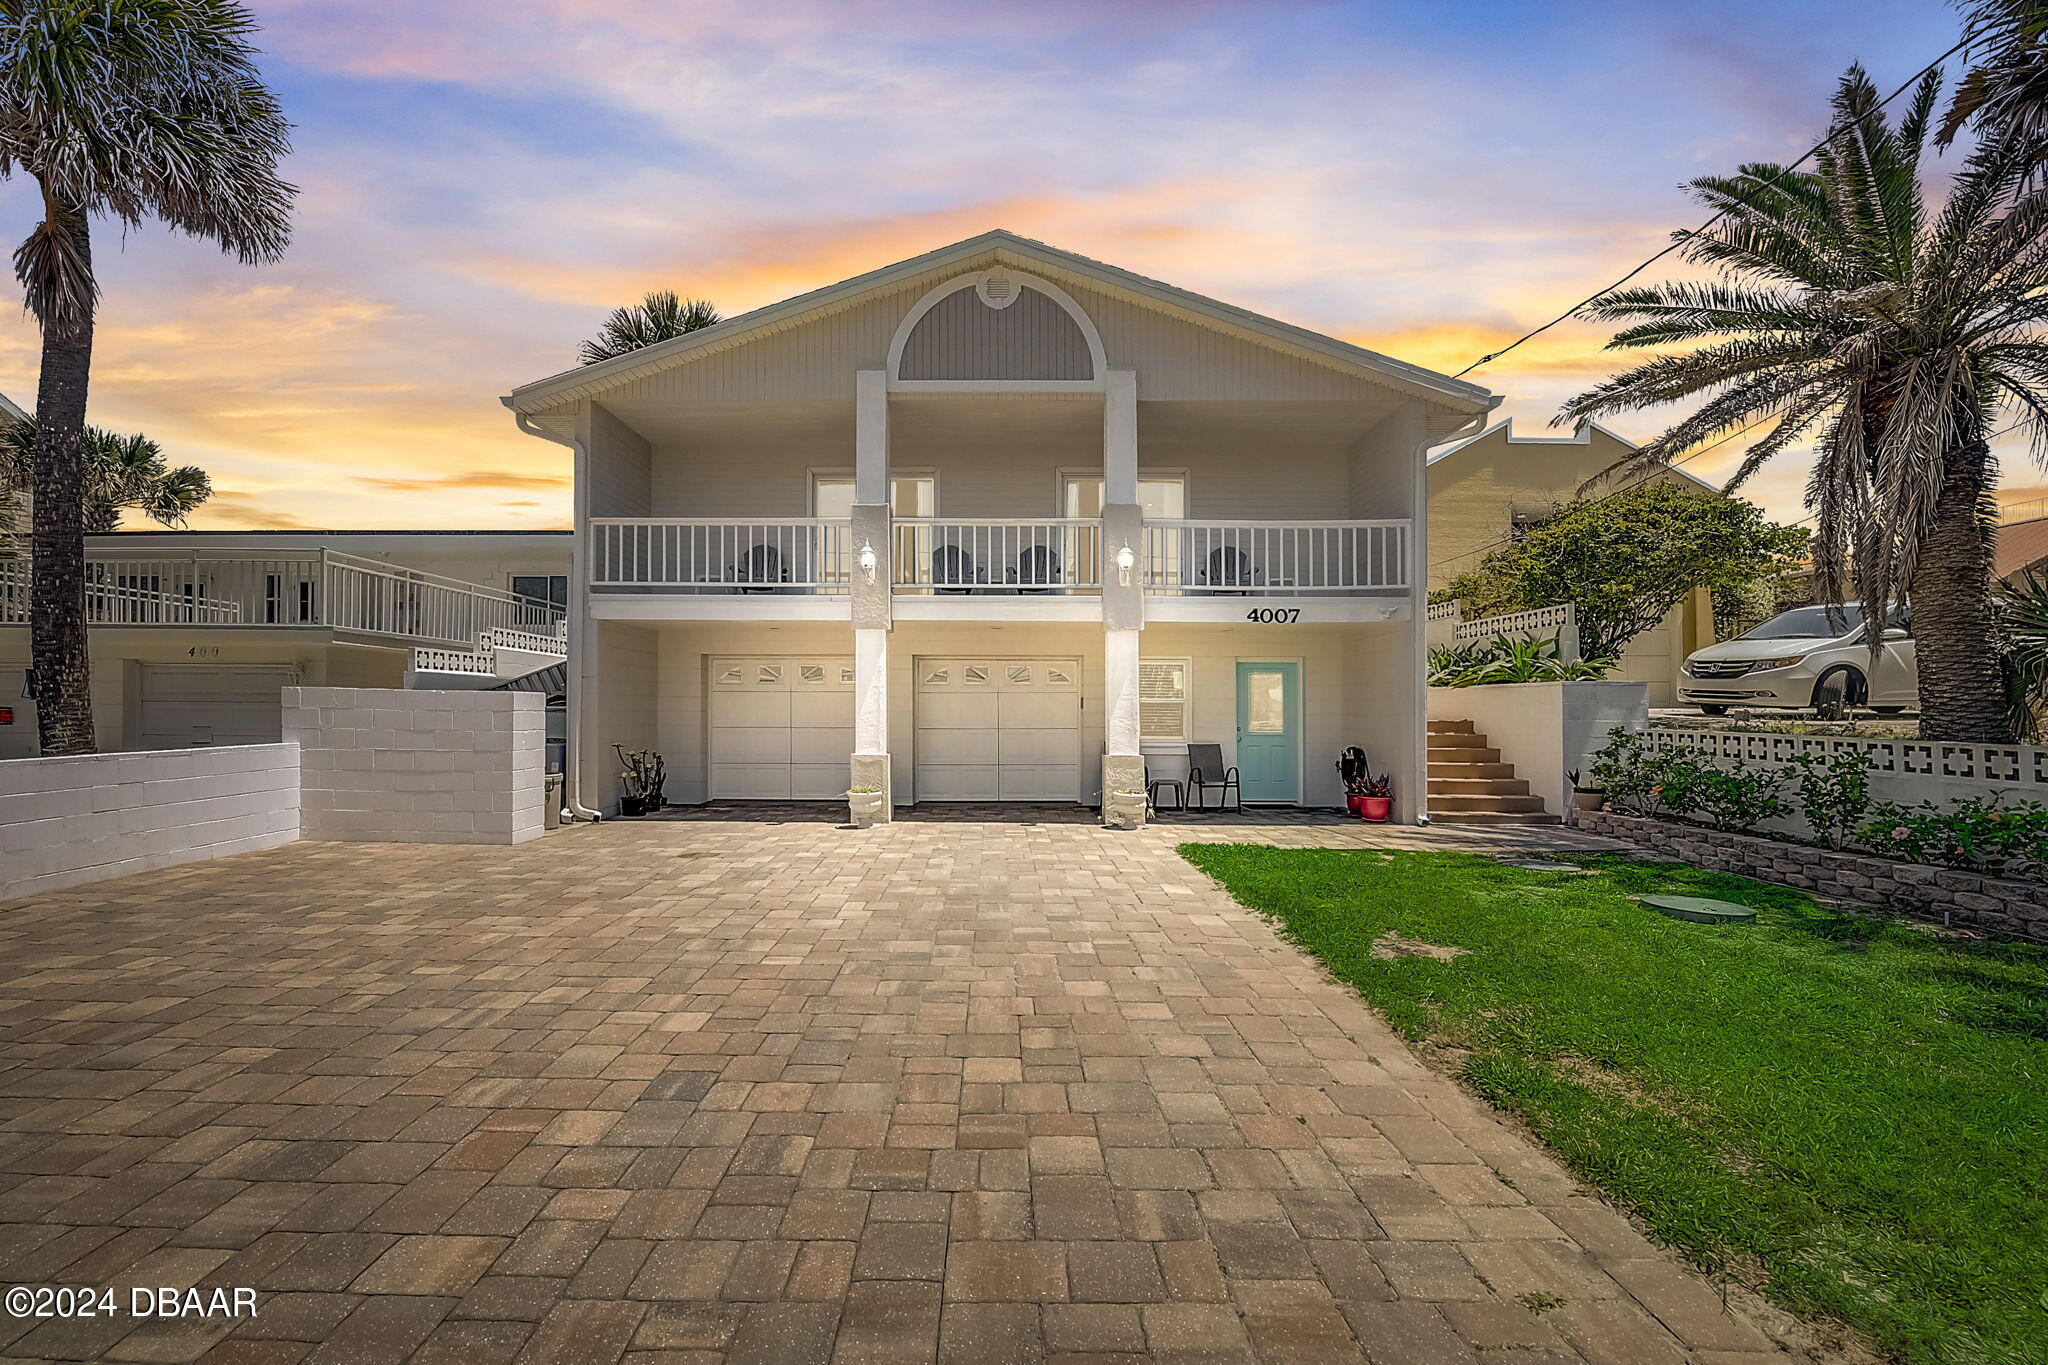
x,y
1269,731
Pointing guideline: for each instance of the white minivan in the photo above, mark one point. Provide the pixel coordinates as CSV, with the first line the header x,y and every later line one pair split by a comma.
x,y
1810,657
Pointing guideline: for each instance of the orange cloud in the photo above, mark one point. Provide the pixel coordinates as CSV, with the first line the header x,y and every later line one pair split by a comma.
x,y
480,479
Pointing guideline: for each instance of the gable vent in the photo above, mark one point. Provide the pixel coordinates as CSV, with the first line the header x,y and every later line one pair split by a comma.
x,y
997,290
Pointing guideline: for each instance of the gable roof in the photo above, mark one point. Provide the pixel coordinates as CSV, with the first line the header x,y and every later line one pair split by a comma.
x,y
1582,435
1022,253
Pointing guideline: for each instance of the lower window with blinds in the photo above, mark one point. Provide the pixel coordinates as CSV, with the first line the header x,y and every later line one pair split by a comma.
x,y
1163,701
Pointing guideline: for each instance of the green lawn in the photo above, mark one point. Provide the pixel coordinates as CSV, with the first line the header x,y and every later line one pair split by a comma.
x,y
1850,1114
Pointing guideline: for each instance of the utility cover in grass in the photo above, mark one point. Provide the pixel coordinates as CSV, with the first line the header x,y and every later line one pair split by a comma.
x,y
1700,910
1544,865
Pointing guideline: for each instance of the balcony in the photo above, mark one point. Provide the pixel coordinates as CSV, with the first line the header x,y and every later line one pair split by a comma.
x,y
1275,558
769,567
227,589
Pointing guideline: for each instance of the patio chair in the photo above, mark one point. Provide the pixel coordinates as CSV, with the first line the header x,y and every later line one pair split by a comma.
x,y
953,570
1231,570
1038,568
760,565
1206,769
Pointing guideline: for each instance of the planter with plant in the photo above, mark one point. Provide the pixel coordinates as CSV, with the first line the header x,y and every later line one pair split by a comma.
x,y
1584,796
641,776
865,805
1123,809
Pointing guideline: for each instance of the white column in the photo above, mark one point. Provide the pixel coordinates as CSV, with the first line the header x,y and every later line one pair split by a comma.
x,y
871,691
1120,689
871,438
1120,437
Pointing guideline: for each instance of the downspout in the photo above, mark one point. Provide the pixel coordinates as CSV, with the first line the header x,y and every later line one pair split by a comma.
x,y
578,626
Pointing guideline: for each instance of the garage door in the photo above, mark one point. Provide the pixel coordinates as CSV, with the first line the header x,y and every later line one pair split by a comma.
x,y
188,704
781,727
998,729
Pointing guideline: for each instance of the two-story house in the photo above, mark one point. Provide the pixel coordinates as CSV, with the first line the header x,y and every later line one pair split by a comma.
x,y
1487,489
997,523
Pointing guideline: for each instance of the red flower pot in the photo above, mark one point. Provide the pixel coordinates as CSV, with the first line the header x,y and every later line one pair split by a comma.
x,y
1375,809
1351,806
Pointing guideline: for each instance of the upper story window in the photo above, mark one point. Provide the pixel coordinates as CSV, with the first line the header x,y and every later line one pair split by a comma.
x,y
997,327
552,589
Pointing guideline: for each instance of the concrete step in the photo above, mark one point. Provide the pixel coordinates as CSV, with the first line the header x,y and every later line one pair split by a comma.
x,y
1450,727
1462,754
1458,769
1491,817
1477,786
1455,739
1483,802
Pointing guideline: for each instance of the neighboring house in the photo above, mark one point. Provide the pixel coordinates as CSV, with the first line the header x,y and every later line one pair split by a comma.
x,y
193,632
1486,489
996,523
2021,546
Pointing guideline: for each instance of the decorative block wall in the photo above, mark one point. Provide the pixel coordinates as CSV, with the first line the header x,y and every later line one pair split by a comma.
x,y
68,821
404,766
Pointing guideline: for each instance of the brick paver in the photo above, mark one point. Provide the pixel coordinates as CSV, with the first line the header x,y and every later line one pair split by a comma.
x,y
753,1087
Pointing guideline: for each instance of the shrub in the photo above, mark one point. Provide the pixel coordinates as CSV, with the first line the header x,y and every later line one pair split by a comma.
x,y
1740,798
1622,768
1505,659
1833,793
1677,781
1980,835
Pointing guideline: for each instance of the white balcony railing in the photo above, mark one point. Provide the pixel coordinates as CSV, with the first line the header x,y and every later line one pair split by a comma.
x,y
1001,555
1197,558
712,555
313,588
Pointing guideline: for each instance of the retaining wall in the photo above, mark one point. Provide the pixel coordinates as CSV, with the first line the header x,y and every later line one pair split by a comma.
x,y
401,766
67,821
1945,895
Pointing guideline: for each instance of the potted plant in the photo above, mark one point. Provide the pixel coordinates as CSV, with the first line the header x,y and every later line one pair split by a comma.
x,y
1583,796
642,773
1376,798
865,805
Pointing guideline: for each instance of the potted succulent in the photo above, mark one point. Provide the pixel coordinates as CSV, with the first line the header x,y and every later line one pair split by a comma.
x,y
1583,796
642,774
1376,798
865,805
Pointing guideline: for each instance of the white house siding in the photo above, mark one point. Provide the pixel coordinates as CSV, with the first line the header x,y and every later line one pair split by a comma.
x,y
742,466
621,683
1381,688
619,467
1179,360
960,337
815,362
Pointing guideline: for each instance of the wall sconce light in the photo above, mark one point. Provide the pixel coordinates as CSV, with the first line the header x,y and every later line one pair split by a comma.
x,y
1126,560
867,560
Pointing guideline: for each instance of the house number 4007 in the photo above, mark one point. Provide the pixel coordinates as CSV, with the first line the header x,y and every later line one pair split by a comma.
x,y
1273,615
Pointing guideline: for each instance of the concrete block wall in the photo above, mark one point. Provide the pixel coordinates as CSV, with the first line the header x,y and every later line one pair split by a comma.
x,y
401,766
68,821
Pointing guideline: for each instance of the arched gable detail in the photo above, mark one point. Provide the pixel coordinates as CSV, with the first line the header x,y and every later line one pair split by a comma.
x,y
997,329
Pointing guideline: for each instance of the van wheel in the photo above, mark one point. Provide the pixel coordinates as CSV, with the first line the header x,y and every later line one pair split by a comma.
x,y
1836,692
1706,710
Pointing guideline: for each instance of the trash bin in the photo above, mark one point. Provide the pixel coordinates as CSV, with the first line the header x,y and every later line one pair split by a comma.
x,y
551,801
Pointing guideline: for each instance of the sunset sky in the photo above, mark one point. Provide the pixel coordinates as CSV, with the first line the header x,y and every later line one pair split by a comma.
x,y
483,180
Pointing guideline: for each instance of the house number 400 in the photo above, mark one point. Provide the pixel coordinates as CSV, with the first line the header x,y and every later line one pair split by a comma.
x,y
1273,615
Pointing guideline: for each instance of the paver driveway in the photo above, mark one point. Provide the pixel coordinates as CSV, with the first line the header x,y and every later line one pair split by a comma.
x,y
750,1091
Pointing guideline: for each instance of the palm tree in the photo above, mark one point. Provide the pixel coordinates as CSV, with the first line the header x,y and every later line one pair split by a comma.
x,y
2008,86
1894,331
120,472
126,109
660,316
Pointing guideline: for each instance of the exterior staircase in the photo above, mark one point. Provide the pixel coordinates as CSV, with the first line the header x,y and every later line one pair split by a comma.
x,y
500,655
1469,785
